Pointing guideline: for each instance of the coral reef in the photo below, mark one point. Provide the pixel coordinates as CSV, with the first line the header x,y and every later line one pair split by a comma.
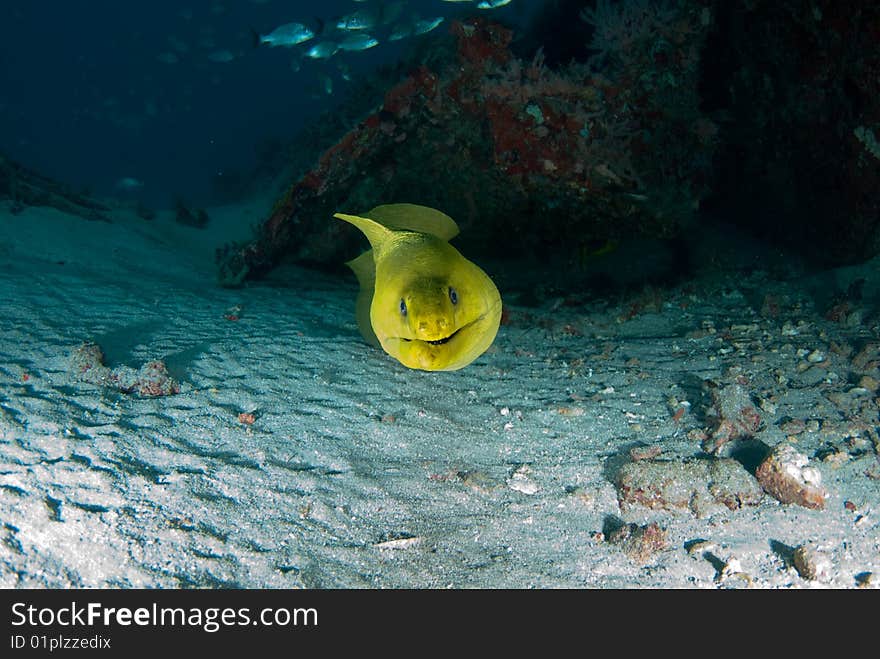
x,y
553,160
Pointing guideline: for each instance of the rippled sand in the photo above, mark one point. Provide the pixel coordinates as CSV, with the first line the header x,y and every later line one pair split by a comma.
x,y
356,472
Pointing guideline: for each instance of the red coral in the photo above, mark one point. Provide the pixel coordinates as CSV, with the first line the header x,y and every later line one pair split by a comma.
x,y
400,98
481,42
426,80
521,148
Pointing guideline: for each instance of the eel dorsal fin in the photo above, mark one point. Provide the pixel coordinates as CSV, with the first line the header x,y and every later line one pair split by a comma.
x,y
412,217
375,232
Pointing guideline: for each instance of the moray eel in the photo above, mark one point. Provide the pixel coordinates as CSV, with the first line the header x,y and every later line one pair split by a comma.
x,y
420,299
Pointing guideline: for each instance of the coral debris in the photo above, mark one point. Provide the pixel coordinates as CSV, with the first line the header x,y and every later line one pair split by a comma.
x,y
150,380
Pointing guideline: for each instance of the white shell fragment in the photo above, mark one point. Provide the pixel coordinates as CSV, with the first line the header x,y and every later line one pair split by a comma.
x,y
399,543
520,482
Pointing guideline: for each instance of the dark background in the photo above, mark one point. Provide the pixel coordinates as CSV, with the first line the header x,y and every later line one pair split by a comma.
x,y
86,100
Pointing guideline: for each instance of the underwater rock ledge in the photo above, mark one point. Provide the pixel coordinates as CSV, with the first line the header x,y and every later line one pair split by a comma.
x,y
526,159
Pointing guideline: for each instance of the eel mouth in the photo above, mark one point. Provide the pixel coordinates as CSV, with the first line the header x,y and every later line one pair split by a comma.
x,y
438,342
447,339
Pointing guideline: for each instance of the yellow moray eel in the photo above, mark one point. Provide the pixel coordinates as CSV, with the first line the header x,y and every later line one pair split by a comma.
x,y
420,299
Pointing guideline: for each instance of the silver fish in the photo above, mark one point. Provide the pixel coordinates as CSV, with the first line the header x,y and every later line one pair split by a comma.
x,y
425,26
362,19
322,50
358,41
492,4
129,184
289,34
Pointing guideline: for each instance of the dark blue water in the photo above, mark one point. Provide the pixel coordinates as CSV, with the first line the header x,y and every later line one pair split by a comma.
x,y
99,90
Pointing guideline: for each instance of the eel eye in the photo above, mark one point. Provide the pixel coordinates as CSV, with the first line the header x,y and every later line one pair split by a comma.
x,y
402,307
453,296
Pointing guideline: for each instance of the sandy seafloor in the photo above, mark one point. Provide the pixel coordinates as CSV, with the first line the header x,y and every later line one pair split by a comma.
x,y
359,473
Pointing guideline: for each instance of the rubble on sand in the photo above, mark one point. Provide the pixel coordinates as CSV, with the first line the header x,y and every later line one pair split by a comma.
x,y
150,380
640,543
687,484
734,414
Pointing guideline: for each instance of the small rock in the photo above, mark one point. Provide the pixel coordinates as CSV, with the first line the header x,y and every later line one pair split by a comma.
x,y
816,357
786,475
477,480
736,415
87,363
793,426
836,458
640,543
150,380
637,453
869,383
810,375
571,411
867,580
700,547
867,361
854,318
732,575
687,484
581,495
195,218
812,563
731,567
520,482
